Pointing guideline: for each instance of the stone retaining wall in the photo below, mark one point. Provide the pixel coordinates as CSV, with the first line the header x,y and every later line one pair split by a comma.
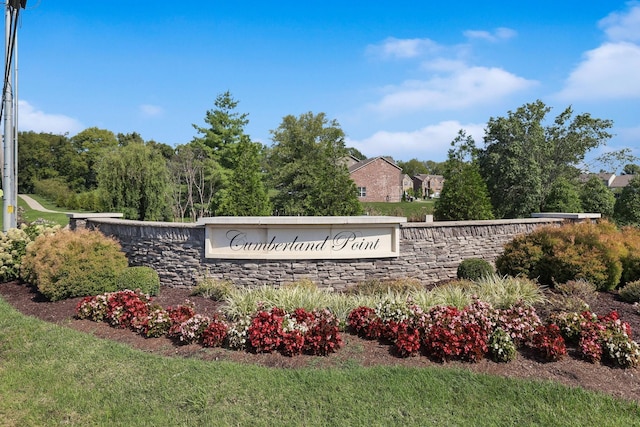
x,y
429,252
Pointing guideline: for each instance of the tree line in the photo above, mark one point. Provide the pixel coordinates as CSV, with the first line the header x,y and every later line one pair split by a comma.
x,y
529,163
532,164
220,172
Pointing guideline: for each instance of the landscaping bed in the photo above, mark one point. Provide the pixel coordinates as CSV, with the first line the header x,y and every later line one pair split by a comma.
x,y
623,383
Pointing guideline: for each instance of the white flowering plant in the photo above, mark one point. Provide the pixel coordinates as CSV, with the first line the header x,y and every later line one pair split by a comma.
x,y
13,246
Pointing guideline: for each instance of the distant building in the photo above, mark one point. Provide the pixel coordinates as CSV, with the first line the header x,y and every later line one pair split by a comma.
x,y
428,185
378,179
610,180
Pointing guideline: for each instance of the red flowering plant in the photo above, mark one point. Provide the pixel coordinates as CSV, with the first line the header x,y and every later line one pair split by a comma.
x,y
450,336
265,332
365,322
408,339
323,336
590,337
392,313
215,333
548,343
178,315
93,308
126,308
407,334
294,327
608,338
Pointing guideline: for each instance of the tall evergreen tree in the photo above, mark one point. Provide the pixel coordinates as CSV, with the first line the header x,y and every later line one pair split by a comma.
x,y
225,129
245,194
464,195
307,169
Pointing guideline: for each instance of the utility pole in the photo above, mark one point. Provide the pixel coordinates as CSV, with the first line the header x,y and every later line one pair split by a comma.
x,y
9,107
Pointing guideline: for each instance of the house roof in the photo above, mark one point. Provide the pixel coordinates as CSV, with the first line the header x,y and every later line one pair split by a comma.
x,y
425,177
610,180
365,162
621,181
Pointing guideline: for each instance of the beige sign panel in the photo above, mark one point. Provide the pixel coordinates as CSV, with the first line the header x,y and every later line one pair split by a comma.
x,y
295,238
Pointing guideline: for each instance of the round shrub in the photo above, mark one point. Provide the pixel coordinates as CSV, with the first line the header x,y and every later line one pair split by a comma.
x,y
73,263
592,252
145,279
474,269
631,292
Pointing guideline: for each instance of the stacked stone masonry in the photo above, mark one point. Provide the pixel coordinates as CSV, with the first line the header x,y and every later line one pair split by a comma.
x,y
429,252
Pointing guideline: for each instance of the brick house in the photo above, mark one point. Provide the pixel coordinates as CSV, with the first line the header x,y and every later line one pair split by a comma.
x,y
378,180
407,183
428,185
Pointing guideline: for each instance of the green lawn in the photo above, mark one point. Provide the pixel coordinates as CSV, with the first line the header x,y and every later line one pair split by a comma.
x,y
51,375
414,211
30,215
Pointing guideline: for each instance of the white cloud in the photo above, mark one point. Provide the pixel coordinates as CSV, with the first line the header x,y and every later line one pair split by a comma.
x,y
607,72
623,26
498,34
402,48
148,110
463,87
31,119
429,143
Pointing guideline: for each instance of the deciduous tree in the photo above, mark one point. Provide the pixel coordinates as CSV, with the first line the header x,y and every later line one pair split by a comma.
x,y
523,157
307,169
596,197
195,178
133,179
627,208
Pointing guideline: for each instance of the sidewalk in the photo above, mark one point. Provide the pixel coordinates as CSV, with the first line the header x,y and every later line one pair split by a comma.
x,y
33,204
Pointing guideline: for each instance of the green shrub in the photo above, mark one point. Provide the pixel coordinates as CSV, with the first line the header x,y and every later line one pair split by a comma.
x,y
592,252
141,278
631,257
474,269
631,292
73,263
573,296
214,289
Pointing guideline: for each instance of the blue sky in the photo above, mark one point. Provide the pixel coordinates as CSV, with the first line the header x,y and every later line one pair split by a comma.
x,y
400,77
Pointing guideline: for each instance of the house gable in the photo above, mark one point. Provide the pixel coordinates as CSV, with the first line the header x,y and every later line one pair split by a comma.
x,y
378,180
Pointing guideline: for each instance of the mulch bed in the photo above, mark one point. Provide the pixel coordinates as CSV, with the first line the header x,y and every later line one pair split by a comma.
x,y
570,371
